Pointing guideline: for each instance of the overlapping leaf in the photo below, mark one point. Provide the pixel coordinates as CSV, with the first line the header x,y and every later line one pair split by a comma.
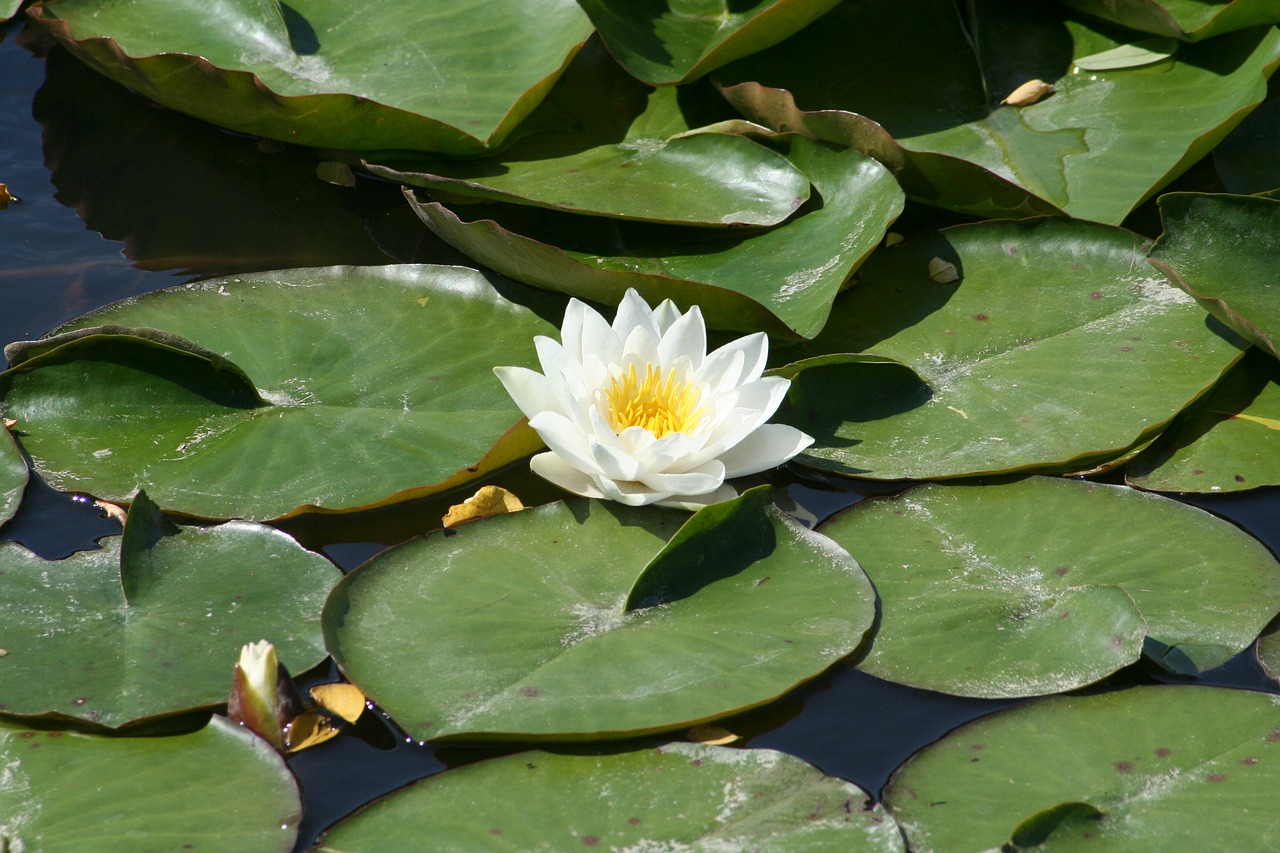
x,y
339,387
664,42
675,797
992,590
1151,768
1191,20
1223,250
782,280
1056,348
220,788
541,624
1228,441
636,160
152,623
1094,148
13,476
446,76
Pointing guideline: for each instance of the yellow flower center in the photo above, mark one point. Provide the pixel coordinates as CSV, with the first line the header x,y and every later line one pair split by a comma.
x,y
658,406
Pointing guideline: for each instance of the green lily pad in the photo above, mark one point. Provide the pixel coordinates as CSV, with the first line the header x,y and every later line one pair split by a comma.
x,y
1056,348
636,160
447,76
1094,148
526,626
680,796
782,280
1227,441
1133,55
1150,768
13,476
1223,250
1190,20
664,42
1269,651
220,788
9,9
992,591
153,623
335,387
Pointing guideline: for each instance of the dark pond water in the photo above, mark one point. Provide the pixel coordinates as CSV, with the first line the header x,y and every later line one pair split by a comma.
x,y
119,197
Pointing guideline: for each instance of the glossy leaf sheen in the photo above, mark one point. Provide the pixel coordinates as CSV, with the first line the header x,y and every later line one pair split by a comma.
x,y
374,380
1149,768
649,799
153,623
1057,348
445,76
515,626
220,788
1095,148
992,591
782,280
673,42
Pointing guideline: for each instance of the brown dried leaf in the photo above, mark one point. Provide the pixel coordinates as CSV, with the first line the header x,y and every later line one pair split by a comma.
x,y
6,196
112,510
711,735
308,730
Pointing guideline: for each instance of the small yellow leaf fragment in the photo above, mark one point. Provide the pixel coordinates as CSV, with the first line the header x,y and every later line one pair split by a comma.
x,y
1269,423
10,423
959,412
308,730
487,501
423,301
112,510
1028,93
711,735
6,196
893,238
943,272
340,699
3,652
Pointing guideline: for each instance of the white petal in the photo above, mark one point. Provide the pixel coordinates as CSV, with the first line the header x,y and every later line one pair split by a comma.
x,y
633,312
555,359
686,337
767,447
693,503
565,440
639,348
665,315
550,467
599,339
755,352
530,390
667,454
630,492
697,482
763,396
575,314
613,462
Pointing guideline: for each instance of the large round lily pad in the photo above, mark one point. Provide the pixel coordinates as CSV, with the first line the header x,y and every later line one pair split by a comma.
x,y
782,280
1052,345
676,797
1039,586
220,788
334,386
1191,20
446,76
548,624
1151,768
153,623
1095,148
13,476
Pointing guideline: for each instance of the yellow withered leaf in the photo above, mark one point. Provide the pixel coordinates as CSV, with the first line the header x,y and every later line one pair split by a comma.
x,y
711,735
487,501
340,699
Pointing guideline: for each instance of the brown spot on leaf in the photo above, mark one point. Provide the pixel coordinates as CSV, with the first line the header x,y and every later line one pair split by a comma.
x,y
981,317
79,701
1125,349
635,821
590,840
1164,752
1249,762
1239,478
530,692
1062,571
1097,294
1124,766
1215,777
495,831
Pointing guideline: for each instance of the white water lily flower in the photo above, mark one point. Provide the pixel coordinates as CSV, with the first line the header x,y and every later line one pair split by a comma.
x,y
638,412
